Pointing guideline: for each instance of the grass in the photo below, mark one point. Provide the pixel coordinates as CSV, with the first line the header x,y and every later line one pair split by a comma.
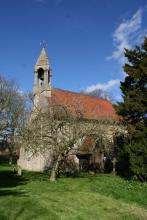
x,y
101,197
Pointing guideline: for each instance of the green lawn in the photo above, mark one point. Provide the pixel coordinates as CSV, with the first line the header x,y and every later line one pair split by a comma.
x,y
87,198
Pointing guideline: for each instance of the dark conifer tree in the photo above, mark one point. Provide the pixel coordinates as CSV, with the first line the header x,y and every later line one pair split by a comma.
x,y
134,110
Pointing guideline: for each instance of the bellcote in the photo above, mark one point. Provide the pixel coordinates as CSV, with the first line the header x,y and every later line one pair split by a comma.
x,y
42,75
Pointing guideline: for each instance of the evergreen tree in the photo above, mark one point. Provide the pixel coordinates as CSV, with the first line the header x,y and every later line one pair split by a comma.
x,y
134,110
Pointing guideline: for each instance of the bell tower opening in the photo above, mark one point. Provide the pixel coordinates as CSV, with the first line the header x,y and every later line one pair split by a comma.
x,y
41,78
41,74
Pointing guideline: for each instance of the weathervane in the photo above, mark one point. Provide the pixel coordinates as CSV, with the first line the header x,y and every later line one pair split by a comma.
x,y
43,44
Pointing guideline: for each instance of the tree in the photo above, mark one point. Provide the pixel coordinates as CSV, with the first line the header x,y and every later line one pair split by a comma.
x,y
134,110
99,93
61,130
57,130
12,113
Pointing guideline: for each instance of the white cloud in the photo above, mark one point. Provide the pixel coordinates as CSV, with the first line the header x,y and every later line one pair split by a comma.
x,y
127,34
103,86
118,98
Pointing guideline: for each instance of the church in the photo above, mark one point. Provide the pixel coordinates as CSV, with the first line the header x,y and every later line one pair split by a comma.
x,y
92,108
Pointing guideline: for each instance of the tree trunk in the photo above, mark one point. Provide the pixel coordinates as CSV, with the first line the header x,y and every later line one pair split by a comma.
x,y
114,166
19,171
55,169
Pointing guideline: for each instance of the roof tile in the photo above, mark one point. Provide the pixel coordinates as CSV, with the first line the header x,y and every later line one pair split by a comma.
x,y
91,107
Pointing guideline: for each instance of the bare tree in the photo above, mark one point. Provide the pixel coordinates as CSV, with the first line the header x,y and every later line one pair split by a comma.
x,y
12,112
99,93
60,130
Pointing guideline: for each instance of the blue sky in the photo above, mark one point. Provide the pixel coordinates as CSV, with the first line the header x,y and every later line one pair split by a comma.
x,y
85,40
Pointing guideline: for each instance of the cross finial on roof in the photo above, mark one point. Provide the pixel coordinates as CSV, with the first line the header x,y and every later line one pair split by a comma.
x,y
43,44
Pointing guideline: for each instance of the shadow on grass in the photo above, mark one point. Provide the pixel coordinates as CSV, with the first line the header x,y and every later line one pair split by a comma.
x,y
11,193
9,180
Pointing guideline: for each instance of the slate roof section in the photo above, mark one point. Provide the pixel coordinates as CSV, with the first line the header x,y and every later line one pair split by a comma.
x,y
90,107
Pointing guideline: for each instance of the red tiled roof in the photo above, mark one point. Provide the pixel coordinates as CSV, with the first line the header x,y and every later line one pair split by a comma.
x,y
91,107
